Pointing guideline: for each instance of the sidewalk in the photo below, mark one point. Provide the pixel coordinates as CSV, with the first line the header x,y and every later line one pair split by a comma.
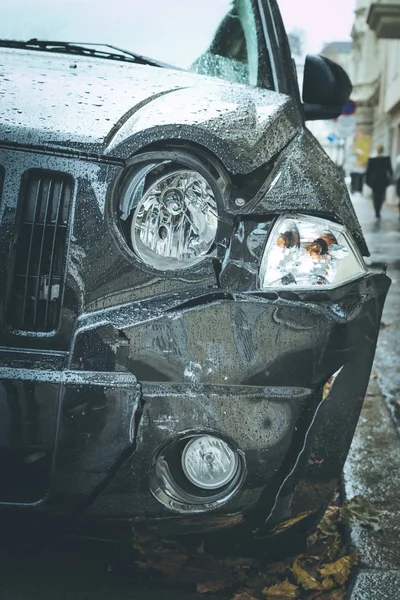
x,y
372,469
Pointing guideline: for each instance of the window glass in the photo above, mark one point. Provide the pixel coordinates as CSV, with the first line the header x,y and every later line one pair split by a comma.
x,y
221,38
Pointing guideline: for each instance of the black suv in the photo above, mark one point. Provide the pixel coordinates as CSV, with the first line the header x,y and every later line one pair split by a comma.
x,y
187,324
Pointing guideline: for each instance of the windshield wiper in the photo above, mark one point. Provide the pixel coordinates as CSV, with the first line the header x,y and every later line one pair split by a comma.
x,y
83,49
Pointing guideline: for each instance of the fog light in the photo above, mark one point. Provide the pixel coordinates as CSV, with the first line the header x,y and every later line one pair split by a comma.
x,y
209,463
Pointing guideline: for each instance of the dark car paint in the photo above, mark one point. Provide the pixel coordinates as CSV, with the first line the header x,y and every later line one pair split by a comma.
x,y
85,410
110,426
173,105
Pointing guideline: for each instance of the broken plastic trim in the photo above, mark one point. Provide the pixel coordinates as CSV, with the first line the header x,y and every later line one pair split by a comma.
x,y
264,531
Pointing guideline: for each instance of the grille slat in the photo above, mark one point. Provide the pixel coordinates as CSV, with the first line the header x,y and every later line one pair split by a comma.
x,y
32,232
52,254
39,267
34,301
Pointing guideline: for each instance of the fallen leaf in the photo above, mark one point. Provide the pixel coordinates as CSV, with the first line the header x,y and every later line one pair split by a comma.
x,y
328,583
340,569
214,586
361,511
243,596
334,544
316,574
284,590
284,525
312,539
329,522
303,578
278,568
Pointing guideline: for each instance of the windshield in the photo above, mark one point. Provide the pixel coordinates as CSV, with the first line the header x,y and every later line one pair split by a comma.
x,y
221,38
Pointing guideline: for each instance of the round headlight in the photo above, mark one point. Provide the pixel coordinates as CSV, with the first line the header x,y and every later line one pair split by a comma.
x,y
175,222
209,463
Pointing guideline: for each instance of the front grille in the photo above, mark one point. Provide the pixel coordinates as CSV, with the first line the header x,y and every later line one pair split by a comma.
x,y
34,301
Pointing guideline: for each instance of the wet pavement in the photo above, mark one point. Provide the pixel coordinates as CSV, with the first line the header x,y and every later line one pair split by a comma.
x,y
383,238
372,467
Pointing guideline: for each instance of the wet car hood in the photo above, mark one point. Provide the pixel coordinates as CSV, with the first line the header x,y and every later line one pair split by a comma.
x,y
97,106
111,110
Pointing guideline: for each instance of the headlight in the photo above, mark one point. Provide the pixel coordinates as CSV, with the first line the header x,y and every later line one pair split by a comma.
x,y
175,217
303,252
209,463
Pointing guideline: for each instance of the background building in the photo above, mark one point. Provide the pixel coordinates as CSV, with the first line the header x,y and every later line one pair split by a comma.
x,y
372,60
375,70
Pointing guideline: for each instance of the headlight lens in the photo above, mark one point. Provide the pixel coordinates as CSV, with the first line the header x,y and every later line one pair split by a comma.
x,y
303,252
175,222
209,463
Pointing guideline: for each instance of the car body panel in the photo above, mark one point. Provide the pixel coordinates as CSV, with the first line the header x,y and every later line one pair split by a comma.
x,y
193,108
205,108
141,359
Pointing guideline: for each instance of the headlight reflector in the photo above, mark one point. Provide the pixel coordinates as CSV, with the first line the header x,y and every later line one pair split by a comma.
x,y
303,252
175,222
209,463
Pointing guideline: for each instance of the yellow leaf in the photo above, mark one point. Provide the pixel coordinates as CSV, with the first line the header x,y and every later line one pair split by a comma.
x,y
329,522
304,579
243,596
284,591
334,544
340,569
328,583
284,525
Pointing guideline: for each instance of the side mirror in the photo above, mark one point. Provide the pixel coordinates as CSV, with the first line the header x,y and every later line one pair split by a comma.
x,y
326,88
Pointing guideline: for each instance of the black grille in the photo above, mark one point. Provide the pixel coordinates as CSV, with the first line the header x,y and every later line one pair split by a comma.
x,y
34,303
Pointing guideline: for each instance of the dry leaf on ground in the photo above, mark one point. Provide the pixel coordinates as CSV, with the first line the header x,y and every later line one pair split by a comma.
x,y
319,573
328,526
284,591
289,523
210,587
340,569
304,578
243,596
360,511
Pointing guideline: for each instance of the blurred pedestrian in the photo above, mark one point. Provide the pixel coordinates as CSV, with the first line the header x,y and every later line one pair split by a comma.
x,y
396,178
379,177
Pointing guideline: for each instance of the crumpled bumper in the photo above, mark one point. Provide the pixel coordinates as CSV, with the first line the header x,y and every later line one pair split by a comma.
x,y
250,368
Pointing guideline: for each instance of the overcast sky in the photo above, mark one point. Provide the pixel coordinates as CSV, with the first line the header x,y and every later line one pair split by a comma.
x,y
323,20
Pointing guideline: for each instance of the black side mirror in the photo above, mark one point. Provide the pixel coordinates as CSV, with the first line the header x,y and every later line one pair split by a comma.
x,y
326,88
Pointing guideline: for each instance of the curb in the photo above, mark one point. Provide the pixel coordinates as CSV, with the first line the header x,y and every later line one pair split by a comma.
x,y
371,471
376,585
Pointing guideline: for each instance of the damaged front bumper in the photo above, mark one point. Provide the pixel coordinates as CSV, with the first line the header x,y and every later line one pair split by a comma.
x,y
139,381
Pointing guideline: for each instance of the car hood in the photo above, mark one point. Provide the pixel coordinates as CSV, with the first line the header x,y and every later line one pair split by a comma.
x,y
112,108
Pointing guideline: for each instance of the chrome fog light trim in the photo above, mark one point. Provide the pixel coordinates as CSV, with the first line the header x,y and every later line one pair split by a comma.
x,y
171,486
